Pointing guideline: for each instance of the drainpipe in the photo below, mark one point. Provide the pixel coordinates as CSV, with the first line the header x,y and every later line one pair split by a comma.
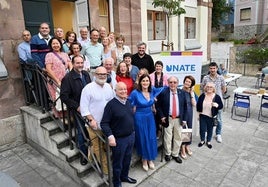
x,y
88,10
111,15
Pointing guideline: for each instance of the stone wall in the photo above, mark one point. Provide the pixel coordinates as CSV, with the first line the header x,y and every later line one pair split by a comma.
x,y
248,31
12,132
238,66
11,89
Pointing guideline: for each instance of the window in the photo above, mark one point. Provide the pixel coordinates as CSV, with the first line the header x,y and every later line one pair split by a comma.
x,y
245,14
190,28
104,14
156,22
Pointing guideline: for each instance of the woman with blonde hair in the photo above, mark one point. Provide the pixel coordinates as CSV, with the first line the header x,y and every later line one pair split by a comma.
x,y
208,105
120,48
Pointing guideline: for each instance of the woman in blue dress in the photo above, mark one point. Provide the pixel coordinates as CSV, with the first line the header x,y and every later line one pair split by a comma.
x,y
143,99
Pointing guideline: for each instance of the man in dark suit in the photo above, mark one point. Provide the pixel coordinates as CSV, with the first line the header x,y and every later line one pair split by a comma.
x,y
118,125
71,88
172,110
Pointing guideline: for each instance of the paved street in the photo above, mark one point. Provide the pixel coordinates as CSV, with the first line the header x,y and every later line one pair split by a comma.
x,y
240,160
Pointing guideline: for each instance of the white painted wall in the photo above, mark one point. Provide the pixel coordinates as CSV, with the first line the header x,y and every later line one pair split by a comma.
x,y
177,27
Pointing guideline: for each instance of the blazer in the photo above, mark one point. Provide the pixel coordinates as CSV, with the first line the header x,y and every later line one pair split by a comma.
x,y
214,110
71,88
163,104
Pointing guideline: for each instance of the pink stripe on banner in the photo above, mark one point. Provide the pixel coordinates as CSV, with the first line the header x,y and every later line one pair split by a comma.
x,y
197,53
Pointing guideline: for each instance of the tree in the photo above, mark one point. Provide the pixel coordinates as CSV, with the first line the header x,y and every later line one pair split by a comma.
x,y
219,10
171,8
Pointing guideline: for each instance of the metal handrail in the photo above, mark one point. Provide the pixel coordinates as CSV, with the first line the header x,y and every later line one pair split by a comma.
x,y
43,99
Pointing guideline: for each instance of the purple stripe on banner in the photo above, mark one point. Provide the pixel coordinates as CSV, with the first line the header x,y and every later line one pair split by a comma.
x,y
176,53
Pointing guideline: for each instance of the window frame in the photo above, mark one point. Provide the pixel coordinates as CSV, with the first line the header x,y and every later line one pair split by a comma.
x,y
243,14
154,18
187,22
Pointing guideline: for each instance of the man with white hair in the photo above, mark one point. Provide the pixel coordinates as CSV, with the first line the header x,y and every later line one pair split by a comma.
x,y
83,39
108,63
103,33
94,97
60,34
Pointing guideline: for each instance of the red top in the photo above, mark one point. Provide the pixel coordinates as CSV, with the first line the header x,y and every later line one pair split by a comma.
x,y
128,81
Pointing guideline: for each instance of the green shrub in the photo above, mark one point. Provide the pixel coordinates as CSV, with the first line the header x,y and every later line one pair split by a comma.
x,y
254,56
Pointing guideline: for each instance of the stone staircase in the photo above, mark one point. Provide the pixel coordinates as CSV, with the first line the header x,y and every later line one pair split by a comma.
x,y
46,136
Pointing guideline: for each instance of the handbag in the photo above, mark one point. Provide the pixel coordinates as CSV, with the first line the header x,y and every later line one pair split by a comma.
x,y
214,118
58,102
215,121
186,134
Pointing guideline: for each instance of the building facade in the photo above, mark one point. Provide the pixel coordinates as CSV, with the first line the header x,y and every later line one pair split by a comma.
x,y
250,18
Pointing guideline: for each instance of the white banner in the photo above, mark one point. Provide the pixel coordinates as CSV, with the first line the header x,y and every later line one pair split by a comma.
x,y
180,64
183,63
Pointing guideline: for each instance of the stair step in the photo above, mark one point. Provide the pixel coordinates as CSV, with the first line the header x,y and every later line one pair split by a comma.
x,y
61,139
51,127
69,154
81,170
93,180
45,119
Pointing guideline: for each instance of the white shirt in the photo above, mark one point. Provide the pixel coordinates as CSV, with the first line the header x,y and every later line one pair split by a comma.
x,y
46,39
83,42
113,76
93,100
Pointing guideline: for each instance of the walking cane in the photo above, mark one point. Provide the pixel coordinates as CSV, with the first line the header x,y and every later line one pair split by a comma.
x,y
162,136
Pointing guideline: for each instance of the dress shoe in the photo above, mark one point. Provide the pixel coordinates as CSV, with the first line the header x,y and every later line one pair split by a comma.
x,y
184,156
177,159
151,165
129,180
167,158
201,144
145,167
209,145
189,152
83,161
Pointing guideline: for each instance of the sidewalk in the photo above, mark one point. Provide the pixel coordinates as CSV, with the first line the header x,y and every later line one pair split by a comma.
x,y
240,160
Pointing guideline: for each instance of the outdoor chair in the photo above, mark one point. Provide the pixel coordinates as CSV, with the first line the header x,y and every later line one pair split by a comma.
x,y
260,80
242,102
225,100
264,105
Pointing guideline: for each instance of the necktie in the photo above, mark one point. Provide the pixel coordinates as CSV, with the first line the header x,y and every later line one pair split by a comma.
x,y
174,107
84,83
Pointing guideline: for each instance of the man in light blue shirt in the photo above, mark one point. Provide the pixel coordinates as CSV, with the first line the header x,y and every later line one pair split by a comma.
x,y
93,50
24,48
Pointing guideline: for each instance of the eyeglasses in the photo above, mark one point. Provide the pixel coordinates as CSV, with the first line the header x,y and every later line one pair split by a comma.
x,y
101,74
210,87
173,82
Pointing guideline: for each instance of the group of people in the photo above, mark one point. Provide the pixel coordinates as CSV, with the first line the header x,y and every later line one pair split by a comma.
x,y
127,105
